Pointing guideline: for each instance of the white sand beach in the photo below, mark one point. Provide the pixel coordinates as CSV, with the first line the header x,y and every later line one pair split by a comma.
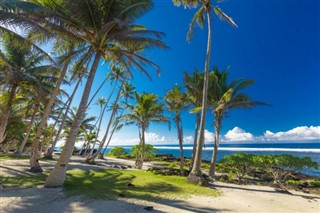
x,y
233,198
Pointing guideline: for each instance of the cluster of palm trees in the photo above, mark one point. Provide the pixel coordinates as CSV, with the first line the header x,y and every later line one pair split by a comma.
x,y
81,34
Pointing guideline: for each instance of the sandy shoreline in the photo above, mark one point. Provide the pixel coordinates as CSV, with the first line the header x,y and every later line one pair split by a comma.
x,y
234,198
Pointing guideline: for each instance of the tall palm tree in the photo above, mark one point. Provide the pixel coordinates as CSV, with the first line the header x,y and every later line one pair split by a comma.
x,y
194,85
176,102
107,29
146,110
18,68
205,10
225,97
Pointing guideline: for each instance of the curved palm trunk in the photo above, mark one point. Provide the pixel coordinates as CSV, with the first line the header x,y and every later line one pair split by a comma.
x,y
57,176
195,175
100,122
111,135
194,148
6,113
94,95
216,145
25,139
180,138
50,151
139,163
91,159
34,162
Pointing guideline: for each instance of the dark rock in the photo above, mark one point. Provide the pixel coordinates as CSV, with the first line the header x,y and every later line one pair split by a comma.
x,y
130,184
148,208
121,195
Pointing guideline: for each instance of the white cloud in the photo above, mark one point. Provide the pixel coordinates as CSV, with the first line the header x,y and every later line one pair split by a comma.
x,y
238,134
299,133
208,136
152,137
188,139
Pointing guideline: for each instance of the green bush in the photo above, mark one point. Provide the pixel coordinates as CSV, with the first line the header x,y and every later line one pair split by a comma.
x,y
315,183
117,152
148,151
275,167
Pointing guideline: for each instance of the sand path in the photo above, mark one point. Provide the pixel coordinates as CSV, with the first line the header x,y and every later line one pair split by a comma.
x,y
234,198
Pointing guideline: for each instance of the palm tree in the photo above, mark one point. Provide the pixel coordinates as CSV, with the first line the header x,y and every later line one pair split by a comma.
x,y
176,102
108,31
18,68
205,9
225,97
194,86
146,110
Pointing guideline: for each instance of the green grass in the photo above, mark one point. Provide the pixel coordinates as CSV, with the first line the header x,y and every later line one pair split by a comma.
x,y
110,183
23,181
13,157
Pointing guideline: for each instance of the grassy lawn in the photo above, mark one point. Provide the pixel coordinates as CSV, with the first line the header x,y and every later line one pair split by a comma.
x,y
13,157
112,184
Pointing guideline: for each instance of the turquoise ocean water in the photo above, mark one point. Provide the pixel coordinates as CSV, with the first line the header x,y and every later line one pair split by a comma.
x,y
304,149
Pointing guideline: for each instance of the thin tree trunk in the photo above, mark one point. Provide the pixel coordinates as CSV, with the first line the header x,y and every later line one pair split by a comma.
x,y
6,113
140,161
50,152
100,122
25,139
94,95
57,176
194,148
180,138
34,162
216,146
195,176
111,135
91,159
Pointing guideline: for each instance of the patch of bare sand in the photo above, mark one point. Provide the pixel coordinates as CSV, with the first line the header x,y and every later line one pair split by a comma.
x,y
234,198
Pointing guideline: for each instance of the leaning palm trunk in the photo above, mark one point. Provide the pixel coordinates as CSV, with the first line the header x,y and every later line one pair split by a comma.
x,y
194,148
112,132
91,159
48,155
195,176
57,176
140,160
180,137
25,139
216,146
101,118
34,162
6,113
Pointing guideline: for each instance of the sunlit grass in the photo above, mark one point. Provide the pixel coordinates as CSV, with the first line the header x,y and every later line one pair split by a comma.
x,y
112,184
13,157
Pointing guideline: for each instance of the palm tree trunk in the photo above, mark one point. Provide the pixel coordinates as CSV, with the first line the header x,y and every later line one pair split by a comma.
x,y
34,163
111,135
94,95
57,176
50,152
195,176
91,159
25,139
99,127
180,138
216,145
140,161
6,113
194,148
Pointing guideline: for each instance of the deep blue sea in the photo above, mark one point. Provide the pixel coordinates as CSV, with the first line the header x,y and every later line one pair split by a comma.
x,y
304,149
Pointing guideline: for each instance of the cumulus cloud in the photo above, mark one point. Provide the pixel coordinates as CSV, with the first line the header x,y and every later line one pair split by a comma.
x,y
152,137
208,136
188,139
298,133
238,134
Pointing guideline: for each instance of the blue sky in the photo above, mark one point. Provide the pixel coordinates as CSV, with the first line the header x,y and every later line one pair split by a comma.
x,y
277,44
